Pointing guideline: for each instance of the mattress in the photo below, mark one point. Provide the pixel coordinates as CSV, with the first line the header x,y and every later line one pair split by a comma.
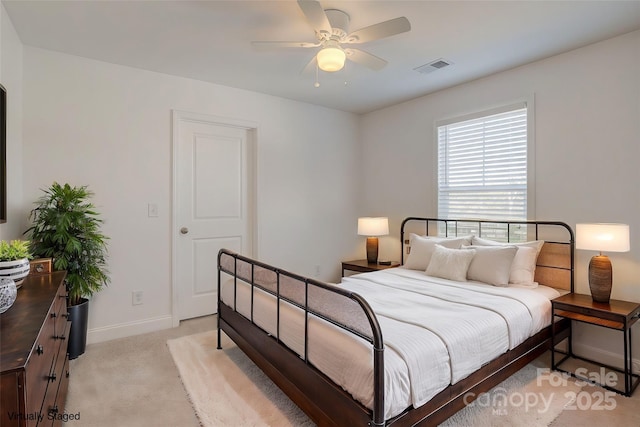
x,y
436,331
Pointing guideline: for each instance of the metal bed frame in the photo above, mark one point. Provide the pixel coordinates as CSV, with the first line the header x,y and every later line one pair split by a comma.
x,y
325,402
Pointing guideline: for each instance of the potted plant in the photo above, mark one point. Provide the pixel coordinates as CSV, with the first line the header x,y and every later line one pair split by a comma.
x,y
14,260
14,267
66,227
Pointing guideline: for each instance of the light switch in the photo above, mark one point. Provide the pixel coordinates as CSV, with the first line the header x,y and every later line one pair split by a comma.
x,y
152,210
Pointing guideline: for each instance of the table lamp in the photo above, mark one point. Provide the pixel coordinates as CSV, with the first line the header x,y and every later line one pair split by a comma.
x,y
373,227
602,237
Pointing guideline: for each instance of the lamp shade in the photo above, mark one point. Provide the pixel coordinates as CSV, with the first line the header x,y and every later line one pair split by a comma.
x,y
370,226
603,237
331,58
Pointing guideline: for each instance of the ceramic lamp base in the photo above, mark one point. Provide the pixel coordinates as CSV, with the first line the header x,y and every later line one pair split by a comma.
x,y
600,278
372,250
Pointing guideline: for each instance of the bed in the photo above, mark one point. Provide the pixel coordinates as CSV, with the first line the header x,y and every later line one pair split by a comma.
x,y
446,337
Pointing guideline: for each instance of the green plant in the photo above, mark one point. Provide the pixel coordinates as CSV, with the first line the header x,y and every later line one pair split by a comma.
x,y
14,250
66,227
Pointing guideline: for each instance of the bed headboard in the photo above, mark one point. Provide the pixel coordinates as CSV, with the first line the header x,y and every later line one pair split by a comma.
x,y
555,265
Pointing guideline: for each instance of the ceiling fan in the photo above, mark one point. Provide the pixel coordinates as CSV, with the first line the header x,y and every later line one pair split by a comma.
x,y
332,31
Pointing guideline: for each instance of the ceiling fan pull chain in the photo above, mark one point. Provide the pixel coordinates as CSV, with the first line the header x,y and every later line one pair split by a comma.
x,y
317,83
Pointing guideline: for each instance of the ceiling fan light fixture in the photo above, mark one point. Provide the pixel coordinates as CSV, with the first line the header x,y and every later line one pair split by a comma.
x,y
331,59
331,28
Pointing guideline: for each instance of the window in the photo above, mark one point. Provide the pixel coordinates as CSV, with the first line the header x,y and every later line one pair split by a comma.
x,y
483,165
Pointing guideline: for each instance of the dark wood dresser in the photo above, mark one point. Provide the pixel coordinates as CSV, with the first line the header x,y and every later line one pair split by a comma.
x,y
33,353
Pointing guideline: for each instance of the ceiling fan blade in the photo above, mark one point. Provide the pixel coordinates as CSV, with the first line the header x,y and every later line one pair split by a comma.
x,y
279,44
380,31
365,58
315,15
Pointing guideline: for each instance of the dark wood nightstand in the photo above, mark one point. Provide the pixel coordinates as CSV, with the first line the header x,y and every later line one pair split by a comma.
x,y
616,314
362,266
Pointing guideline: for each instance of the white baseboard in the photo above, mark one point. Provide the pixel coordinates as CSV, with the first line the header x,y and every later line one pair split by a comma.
x,y
128,329
604,356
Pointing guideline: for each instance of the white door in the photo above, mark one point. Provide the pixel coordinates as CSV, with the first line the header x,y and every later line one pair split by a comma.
x,y
212,206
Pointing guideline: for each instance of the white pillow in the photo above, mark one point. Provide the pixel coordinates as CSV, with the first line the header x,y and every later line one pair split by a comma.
x,y
492,264
423,246
523,268
450,264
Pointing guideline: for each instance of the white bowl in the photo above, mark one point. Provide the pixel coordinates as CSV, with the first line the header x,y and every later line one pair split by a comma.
x,y
8,293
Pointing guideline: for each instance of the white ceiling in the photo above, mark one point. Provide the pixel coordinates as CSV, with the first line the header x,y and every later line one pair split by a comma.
x,y
210,41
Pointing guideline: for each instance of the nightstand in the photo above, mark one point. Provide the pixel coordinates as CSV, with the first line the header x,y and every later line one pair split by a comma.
x,y
362,266
617,315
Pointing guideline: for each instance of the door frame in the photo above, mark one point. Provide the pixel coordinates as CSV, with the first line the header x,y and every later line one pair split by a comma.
x,y
252,131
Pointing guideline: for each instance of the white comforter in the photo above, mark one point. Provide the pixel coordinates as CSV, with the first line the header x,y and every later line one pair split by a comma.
x,y
462,325
436,332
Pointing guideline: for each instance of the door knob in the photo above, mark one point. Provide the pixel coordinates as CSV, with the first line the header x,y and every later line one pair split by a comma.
x,y
184,230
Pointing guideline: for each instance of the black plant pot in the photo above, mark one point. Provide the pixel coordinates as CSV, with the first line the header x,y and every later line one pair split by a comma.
x,y
79,317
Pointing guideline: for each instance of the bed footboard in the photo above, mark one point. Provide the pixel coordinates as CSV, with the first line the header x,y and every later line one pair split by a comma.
x,y
316,394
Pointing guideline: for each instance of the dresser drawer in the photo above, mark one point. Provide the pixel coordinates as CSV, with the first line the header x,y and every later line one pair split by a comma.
x,y
53,406
62,325
58,375
39,367
60,303
56,412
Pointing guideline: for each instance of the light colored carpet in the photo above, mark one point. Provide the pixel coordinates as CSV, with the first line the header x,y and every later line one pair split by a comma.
x,y
132,382
226,388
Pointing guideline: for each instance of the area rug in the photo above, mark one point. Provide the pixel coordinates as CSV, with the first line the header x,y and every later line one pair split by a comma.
x,y
227,389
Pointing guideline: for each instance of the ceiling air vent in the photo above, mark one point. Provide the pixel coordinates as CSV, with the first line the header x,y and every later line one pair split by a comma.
x,y
433,66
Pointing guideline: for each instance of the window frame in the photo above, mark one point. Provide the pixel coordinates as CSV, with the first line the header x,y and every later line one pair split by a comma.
x,y
527,103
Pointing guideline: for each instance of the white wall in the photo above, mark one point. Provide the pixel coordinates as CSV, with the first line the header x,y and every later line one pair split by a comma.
x,y
11,79
109,127
587,146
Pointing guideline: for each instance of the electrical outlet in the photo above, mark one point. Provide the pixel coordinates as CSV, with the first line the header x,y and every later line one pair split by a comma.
x,y
136,298
152,210
317,271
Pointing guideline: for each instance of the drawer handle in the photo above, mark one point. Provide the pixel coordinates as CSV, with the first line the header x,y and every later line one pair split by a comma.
x,y
52,377
40,349
54,315
61,337
54,410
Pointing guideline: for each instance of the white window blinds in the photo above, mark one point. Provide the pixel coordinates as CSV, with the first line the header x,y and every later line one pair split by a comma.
x,y
482,166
